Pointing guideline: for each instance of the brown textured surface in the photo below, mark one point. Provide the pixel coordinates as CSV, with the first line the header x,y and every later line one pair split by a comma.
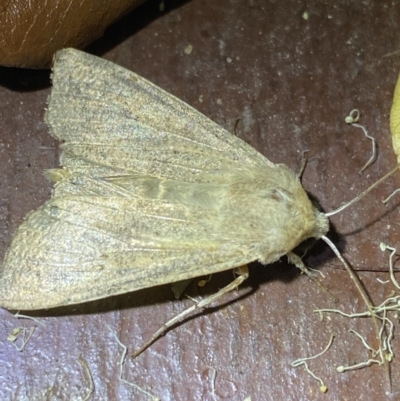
x,y
291,81
30,32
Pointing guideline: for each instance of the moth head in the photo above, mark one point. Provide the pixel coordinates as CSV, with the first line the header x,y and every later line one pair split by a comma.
x,y
308,220
277,209
302,215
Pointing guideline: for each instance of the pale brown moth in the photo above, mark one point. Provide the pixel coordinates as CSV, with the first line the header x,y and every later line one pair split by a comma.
x,y
150,192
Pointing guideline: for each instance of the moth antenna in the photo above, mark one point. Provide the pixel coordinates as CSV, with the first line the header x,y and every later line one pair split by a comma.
x,y
353,275
362,291
360,196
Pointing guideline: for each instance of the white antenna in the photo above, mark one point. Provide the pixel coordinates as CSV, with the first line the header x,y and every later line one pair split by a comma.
x,y
358,197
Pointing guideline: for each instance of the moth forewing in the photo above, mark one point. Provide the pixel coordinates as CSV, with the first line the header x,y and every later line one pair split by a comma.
x,y
150,192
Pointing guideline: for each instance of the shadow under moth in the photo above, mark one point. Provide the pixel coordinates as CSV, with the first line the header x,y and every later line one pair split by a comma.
x,y
150,192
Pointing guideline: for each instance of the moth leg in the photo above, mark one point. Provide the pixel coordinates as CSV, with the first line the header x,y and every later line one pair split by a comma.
x,y
243,274
296,260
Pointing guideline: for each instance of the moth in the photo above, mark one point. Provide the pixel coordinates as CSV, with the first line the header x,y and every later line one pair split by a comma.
x,y
150,192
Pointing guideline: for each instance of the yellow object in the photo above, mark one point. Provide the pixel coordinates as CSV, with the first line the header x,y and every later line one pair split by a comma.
x,y
395,120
